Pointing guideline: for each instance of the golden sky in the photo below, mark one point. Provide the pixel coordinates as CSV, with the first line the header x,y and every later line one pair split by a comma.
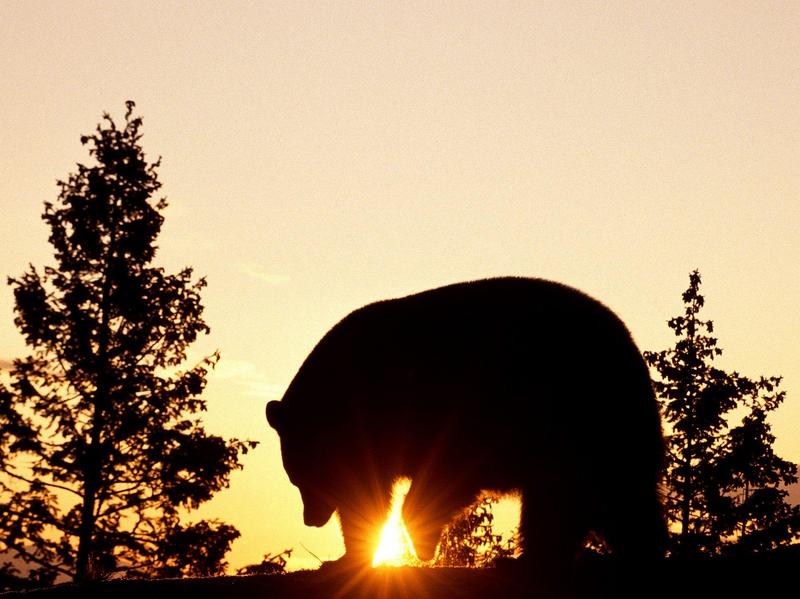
x,y
321,155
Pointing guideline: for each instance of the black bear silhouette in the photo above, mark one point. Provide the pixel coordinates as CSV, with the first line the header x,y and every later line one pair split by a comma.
x,y
508,384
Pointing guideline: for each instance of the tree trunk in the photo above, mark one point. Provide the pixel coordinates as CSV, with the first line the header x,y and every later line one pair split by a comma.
x,y
91,484
86,531
686,505
94,460
744,519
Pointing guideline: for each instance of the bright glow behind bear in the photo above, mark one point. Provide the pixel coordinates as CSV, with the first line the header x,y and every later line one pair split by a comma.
x,y
395,547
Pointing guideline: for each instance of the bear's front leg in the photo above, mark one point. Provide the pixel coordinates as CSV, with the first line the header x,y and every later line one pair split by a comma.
x,y
361,520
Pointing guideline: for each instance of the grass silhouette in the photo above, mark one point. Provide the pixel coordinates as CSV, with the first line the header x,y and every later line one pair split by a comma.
x,y
707,578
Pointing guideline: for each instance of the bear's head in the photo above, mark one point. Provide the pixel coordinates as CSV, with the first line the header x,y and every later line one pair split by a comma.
x,y
303,461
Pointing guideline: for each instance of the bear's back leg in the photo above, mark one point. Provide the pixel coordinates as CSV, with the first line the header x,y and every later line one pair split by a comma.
x,y
635,531
553,529
635,527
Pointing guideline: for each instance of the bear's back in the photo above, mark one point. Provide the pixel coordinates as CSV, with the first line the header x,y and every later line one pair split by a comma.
x,y
493,323
445,350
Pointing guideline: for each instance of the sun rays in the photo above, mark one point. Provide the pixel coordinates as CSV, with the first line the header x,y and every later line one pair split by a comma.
x,y
395,547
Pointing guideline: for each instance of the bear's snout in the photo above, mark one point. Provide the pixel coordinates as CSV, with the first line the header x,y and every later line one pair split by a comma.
x,y
316,512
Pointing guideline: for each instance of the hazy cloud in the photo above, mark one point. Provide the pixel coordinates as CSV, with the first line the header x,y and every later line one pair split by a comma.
x,y
6,364
263,389
233,369
249,378
266,277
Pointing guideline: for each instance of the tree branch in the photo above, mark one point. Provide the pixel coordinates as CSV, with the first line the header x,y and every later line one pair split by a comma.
x,y
42,482
30,557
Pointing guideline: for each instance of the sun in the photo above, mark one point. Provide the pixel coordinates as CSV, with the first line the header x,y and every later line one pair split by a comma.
x,y
395,547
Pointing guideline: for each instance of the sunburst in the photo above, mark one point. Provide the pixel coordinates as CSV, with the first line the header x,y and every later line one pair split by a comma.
x,y
395,547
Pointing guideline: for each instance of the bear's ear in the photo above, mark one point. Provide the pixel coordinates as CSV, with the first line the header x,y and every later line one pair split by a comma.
x,y
275,415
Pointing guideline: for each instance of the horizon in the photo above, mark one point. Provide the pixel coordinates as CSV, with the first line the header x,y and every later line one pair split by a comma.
x,y
319,158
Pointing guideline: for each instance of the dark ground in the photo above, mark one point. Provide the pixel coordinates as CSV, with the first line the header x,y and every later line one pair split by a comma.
x,y
775,574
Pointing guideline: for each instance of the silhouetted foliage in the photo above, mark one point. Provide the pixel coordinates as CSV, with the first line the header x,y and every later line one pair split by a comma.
x,y
11,580
101,444
273,563
726,486
470,540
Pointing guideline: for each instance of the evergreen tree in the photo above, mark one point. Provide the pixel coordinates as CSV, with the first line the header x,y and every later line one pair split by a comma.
x,y
102,445
724,484
760,518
